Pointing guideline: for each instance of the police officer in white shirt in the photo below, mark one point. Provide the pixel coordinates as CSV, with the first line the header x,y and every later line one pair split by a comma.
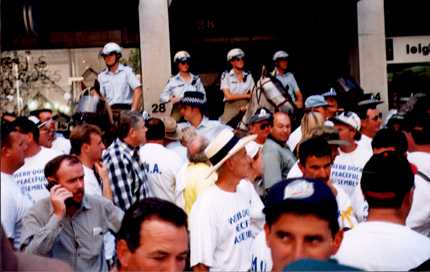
x,y
192,106
280,58
236,85
118,84
183,81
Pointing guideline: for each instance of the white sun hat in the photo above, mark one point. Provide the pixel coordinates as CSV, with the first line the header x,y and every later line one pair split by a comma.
x,y
224,146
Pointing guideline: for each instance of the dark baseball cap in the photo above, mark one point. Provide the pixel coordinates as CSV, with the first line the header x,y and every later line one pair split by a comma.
x,y
305,195
386,178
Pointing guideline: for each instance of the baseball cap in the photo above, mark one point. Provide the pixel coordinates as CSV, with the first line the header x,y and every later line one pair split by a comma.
x,y
314,101
386,177
318,265
261,114
298,194
348,118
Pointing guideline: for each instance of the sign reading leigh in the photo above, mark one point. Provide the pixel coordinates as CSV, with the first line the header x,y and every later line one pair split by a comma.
x,y
409,49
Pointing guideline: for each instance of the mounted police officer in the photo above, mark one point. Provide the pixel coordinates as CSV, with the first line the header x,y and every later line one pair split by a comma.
x,y
280,58
183,81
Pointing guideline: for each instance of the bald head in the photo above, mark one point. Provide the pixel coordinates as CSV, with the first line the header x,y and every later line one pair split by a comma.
x,y
281,126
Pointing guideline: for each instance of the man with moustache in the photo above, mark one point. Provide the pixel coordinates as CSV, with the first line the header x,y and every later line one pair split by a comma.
x,y
69,225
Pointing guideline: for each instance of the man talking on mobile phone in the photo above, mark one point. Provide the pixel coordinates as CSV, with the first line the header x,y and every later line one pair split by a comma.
x,y
69,225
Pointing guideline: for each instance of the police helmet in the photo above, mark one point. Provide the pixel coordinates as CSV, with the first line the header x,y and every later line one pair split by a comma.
x,y
181,56
280,55
109,48
235,53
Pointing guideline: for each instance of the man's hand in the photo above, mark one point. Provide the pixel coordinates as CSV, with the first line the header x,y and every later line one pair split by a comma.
x,y
58,196
104,176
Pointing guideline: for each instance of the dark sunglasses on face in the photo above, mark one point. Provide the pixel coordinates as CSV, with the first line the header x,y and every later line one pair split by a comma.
x,y
184,62
264,126
376,117
237,58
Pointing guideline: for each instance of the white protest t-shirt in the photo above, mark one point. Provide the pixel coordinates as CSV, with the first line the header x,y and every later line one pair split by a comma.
x,y
365,142
385,246
257,216
347,168
179,149
13,208
161,166
295,171
419,216
359,205
31,178
220,230
62,145
261,256
346,213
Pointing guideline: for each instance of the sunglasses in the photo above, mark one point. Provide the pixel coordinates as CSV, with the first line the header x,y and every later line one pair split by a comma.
x,y
237,59
376,117
184,62
264,126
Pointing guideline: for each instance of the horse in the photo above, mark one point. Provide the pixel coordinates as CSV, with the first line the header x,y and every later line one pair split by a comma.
x,y
268,93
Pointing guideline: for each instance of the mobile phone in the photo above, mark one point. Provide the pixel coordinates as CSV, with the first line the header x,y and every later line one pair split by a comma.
x,y
50,185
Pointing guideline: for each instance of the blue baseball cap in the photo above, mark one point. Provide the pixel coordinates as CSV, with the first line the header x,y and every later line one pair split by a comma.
x,y
302,194
314,101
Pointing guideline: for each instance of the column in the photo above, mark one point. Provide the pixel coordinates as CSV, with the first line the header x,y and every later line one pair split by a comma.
x,y
371,45
154,51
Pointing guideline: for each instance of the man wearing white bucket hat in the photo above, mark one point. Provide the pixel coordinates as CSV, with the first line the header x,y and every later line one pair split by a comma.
x,y
220,219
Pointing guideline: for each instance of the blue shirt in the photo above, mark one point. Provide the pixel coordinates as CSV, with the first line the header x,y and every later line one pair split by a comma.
x,y
118,86
176,86
289,82
207,128
230,81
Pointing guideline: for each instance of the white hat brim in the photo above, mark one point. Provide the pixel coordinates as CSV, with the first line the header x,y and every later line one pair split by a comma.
x,y
238,146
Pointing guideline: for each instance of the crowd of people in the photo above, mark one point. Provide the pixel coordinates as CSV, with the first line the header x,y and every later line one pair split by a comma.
x,y
341,189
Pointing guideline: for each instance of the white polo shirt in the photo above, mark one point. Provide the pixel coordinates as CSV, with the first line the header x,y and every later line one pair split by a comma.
x,y
161,167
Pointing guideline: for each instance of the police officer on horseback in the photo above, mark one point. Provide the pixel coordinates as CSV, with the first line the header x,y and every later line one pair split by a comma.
x,y
280,58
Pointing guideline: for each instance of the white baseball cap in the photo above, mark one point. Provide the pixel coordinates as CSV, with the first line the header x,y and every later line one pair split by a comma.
x,y
348,118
